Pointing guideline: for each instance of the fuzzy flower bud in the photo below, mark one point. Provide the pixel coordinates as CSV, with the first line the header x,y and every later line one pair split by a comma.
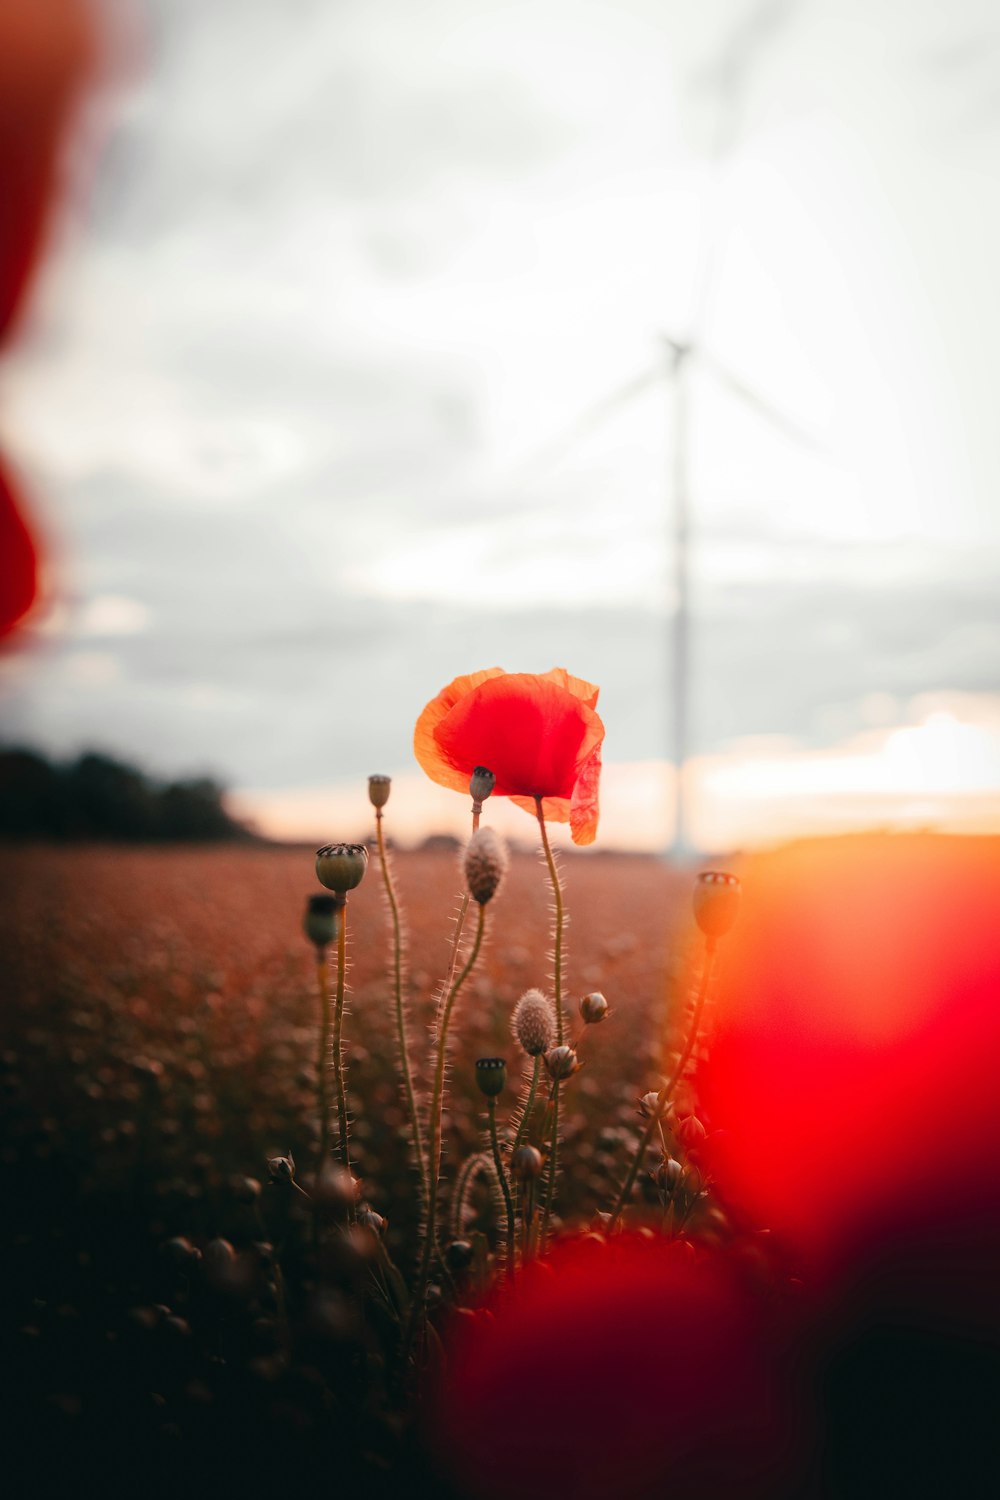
x,y
482,784
491,1075
378,790
649,1105
716,902
485,864
533,1023
340,867
526,1163
593,1008
561,1062
321,921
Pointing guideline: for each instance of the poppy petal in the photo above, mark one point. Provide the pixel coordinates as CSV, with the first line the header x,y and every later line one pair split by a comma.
x,y
585,806
532,733
426,748
585,691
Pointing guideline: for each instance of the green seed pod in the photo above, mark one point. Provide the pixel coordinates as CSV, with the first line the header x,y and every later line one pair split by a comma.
x,y
491,1075
321,921
482,784
716,902
378,790
340,867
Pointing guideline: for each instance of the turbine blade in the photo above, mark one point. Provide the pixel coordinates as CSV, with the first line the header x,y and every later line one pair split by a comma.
x,y
759,405
592,418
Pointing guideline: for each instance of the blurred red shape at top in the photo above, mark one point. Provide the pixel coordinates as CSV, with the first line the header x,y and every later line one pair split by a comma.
x,y
853,1067
46,47
628,1368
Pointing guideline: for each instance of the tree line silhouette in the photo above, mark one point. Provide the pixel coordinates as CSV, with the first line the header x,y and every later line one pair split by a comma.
x,y
97,797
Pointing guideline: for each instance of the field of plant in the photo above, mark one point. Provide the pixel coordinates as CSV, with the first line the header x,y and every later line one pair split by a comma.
x,y
192,1304
159,1045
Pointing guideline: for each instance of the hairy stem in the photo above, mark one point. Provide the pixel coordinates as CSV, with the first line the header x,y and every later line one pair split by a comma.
x,y
510,1249
323,1061
397,965
529,1105
338,1051
664,1096
434,1148
550,1180
560,919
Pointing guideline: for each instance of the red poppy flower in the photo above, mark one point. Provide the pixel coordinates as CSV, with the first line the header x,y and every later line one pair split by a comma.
x,y
538,734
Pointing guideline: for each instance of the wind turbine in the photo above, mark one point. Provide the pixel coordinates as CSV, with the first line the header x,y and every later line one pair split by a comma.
x,y
728,79
673,369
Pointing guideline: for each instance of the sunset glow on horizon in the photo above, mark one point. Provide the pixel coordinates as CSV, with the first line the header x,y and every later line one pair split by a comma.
x,y
941,773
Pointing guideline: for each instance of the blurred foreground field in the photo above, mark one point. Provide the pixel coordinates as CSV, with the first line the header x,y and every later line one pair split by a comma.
x,y
158,1040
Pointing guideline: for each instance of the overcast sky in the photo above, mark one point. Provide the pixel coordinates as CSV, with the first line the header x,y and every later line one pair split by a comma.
x,y
303,401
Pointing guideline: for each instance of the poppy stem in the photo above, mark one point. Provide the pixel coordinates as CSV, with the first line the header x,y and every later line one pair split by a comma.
x,y
323,1061
434,1147
510,1249
560,920
338,1051
550,1180
397,964
664,1096
529,1105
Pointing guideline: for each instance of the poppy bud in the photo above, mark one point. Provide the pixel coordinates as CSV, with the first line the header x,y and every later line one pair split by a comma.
x,y
320,922
649,1105
526,1163
560,1062
668,1175
691,1132
482,784
485,864
491,1075
716,902
340,867
281,1168
593,1008
378,790
371,1220
533,1023
459,1255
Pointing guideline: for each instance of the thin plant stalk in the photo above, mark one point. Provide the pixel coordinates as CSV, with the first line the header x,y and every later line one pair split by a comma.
x,y
550,1180
323,1061
664,1096
467,1173
338,1049
456,941
397,968
559,923
434,1147
529,1106
510,1249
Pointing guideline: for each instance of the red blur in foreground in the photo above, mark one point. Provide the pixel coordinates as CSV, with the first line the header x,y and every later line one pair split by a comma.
x,y
626,1368
46,47
853,1066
